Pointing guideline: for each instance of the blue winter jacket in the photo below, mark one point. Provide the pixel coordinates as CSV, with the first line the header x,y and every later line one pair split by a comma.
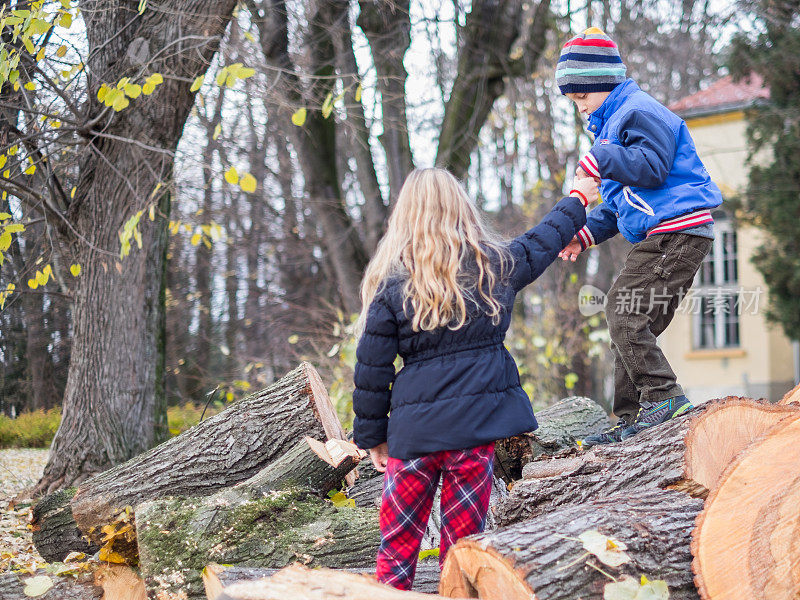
x,y
649,166
457,388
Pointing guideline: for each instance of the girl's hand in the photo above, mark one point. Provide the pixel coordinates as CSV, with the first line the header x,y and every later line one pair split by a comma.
x,y
586,189
380,457
571,251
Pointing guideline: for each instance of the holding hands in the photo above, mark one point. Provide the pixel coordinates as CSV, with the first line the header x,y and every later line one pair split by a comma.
x,y
584,187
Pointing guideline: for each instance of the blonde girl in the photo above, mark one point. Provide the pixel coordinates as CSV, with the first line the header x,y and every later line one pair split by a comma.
x,y
439,293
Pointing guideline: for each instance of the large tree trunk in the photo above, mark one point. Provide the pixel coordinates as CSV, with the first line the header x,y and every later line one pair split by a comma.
x,y
492,29
387,26
688,454
219,452
115,383
544,556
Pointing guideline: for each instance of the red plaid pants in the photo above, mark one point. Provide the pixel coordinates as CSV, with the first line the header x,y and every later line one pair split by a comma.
x,y
409,487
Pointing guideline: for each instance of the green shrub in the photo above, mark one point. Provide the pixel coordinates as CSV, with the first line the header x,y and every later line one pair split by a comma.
x,y
29,430
36,429
181,418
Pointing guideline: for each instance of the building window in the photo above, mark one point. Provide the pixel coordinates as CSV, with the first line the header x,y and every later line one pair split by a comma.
x,y
716,320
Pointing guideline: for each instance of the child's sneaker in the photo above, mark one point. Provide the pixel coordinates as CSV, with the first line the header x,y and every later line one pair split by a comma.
x,y
609,436
657,413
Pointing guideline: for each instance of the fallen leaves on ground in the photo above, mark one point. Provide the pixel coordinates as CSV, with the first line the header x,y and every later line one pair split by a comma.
x,y
19,469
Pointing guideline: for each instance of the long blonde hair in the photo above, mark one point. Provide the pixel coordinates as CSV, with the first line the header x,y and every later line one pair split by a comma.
x,y
436,240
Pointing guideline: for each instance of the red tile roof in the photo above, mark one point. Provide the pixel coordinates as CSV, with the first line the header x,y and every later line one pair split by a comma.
x,y
723,93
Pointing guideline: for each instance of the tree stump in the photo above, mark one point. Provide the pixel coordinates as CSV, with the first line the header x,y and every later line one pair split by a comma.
x,y
217,453
687,454
747,541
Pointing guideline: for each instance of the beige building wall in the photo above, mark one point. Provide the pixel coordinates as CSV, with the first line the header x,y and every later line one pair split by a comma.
x,y
763,364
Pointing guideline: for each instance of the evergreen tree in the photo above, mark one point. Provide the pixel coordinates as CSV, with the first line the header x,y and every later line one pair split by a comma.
x,y
772,50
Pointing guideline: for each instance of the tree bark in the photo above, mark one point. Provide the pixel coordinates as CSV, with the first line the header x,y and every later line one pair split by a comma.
x,y
387,26
114,385
688,454
217,453
315,141
300,583
543,557
178,537
747,541
560,426
491,30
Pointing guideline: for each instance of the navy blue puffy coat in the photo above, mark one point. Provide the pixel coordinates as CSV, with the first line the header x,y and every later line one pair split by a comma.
x,y
457,388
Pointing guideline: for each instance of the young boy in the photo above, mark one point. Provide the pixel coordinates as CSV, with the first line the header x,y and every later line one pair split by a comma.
x,y
658,195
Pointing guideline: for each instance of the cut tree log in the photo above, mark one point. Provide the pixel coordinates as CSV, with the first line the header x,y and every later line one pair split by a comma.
x,y
311,465
747,541
559,426
687,454
792,396
297,582
220,452
177,537
106,582
545,558
217,577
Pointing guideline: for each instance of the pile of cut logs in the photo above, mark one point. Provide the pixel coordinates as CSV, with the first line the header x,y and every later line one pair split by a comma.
x,y
704,506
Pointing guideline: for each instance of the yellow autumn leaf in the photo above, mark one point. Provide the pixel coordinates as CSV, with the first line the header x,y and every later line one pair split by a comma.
x,y
3,159
359,90
40,54
132,89
32,284
248,183
62,50
30,170
66,20
75,270
217,131
327,106
293,339
299,117
108,555
4,215
198,82
72,193
5,241
148,88
229,396
120,103
37,586
231,176
15,228
196,239
155,79
152,212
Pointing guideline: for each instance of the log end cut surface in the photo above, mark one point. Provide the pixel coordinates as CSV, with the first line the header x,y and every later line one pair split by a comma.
x,y
747,541
723,431
474,571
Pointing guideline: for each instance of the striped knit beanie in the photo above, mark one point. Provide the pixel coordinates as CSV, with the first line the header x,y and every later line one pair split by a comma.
x,y
589,62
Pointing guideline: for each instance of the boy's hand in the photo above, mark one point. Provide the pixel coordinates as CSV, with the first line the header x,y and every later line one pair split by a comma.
x,y
571,251
380,457
586,189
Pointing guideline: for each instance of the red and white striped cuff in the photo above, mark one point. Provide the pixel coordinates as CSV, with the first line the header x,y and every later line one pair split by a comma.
x,y
585,236
589,164
700,217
